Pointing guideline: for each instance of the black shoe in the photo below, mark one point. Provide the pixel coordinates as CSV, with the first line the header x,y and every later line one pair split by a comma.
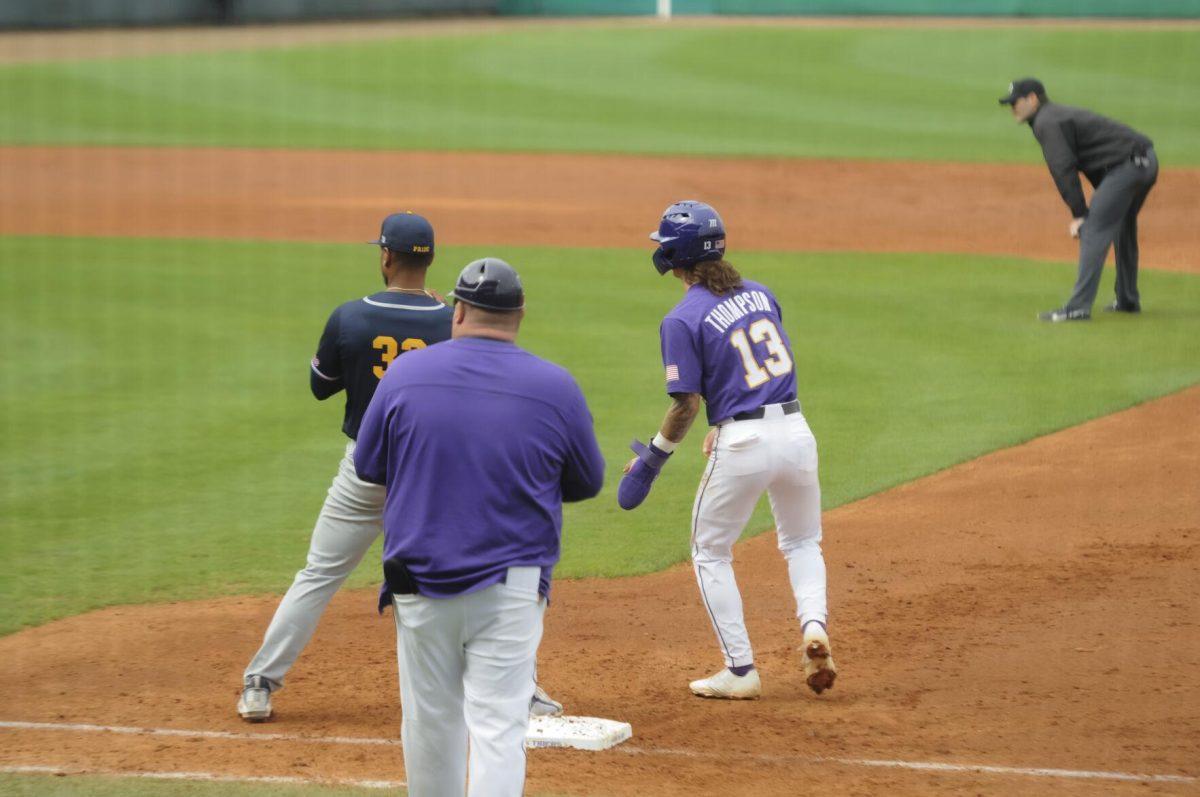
x,y
1063,314
1116,307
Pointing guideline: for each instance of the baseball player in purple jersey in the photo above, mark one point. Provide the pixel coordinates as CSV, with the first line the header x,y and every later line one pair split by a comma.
x,y
361,339
725,343
478,443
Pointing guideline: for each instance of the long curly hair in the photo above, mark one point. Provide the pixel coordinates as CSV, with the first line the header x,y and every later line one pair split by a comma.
x,y
719,276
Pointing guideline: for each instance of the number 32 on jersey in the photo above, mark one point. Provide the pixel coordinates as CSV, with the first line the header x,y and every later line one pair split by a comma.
x,y
778,362
388,349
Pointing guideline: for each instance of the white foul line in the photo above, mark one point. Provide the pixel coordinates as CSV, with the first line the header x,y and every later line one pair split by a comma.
x,y
927,766
204,776
193,734
1032,771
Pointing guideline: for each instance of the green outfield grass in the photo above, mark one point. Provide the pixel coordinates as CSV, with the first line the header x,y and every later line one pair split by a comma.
x,y
160,441
904,93
116,786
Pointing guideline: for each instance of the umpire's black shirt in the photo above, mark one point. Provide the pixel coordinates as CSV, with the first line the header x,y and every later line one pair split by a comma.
x,y
1074,140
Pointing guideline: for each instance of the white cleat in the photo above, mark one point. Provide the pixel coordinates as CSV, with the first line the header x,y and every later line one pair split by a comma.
x,y
542,705
727,686
819,669
255,703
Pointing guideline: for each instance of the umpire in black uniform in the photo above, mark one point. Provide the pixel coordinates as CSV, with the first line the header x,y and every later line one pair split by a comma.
x,y
1120,164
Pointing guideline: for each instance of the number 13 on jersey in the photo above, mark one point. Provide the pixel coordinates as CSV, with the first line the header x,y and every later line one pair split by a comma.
x,y
778,362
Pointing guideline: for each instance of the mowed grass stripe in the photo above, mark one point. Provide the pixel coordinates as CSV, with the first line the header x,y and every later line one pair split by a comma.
x,y
900,93
160,441
53,784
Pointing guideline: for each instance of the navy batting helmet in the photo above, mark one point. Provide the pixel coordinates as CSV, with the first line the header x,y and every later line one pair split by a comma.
x,y
491,284
689,233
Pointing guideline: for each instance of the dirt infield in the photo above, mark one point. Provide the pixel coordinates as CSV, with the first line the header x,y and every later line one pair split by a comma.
x,y
1036,608
567,200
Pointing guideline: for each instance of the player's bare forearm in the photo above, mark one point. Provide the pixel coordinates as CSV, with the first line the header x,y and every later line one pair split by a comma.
x,y
683,410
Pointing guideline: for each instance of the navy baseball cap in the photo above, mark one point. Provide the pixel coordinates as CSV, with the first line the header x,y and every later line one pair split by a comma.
x,y
1023,88
406,233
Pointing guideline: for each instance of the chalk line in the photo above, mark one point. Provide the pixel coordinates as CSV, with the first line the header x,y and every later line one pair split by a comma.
x,y
926,766
211,777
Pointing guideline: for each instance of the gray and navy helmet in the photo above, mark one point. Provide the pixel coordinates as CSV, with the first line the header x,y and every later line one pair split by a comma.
x,y
490,284
689,233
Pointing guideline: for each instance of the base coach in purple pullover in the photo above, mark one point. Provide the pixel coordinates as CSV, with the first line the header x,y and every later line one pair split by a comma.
x,y
478,443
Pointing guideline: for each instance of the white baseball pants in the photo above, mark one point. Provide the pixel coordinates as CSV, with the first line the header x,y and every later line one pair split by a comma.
x,y
350,520
466,679
778,454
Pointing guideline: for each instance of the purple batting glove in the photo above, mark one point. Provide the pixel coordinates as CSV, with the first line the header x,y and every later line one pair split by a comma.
x,y
635,485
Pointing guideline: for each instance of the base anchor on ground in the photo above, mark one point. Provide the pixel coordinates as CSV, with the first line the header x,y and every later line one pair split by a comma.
x,y
581,733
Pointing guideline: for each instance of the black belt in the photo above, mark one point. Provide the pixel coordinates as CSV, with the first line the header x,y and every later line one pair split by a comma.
x,y
789,408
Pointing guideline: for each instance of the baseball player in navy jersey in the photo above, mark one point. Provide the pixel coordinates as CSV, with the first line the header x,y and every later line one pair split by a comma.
x,y
479,444
724,343
362,339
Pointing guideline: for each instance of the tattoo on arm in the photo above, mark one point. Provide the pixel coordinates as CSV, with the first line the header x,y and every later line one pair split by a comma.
x,y
683,410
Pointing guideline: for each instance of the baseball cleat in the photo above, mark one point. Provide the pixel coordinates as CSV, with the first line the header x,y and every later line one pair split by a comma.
x,y
1063,314
542,705
1116,307
255,703
819,669
727,686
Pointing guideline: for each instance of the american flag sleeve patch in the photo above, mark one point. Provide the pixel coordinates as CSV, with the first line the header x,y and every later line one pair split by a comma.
x,y
672,373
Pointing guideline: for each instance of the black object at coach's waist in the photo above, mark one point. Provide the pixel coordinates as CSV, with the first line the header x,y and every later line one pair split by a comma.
x,y
789,408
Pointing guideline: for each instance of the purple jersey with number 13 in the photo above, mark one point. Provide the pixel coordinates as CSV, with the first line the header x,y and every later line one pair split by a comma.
x,y
730,349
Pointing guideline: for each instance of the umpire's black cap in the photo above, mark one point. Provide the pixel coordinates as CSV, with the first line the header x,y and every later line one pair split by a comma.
x,y
406,233
491,284
1023,88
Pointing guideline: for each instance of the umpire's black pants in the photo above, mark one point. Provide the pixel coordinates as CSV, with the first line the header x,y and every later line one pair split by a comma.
x,y
1111,220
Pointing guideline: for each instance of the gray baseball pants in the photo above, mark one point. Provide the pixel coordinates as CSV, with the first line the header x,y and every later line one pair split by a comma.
x,y
350,520
1112,220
